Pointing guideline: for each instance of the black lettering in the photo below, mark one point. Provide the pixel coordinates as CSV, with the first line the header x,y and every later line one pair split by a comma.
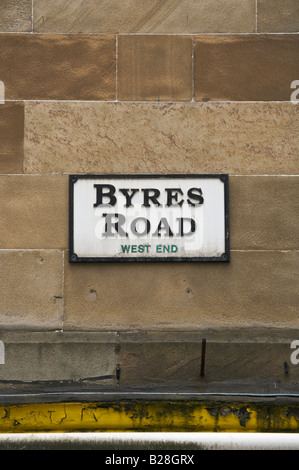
x,y
197,197
101,195
128,196
171,196
182,233
153,197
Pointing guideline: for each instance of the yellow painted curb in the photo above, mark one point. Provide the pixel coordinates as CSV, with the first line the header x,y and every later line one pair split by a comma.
x,y
149,416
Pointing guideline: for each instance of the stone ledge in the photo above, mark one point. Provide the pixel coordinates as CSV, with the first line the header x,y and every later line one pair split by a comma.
x,y
93,366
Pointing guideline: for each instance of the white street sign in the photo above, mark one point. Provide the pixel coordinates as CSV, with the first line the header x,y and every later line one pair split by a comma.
x,y
148,218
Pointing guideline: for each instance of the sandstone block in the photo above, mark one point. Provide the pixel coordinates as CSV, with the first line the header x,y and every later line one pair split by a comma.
x,y
11,137
141,16
234,138
31,290
278,16
155,68
65,67
58,360
254,290
35,213
246,68
263,213
233,365
15,15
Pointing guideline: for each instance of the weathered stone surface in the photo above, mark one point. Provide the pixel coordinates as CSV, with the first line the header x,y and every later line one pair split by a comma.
x,y
137,16
238,360
154,68
234,138
225,67
42,66
264,212
55,365
31,290
35,213
278,16
11,137
246,364
58,358
254,289
15,15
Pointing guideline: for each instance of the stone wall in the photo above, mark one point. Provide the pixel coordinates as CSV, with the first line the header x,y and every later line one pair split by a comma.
x,y
132,86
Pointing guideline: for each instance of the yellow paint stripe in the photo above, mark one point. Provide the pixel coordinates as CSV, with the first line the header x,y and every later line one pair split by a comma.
x,y
149,416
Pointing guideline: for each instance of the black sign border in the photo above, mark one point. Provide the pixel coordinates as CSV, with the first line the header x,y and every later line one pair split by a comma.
x,y
73,258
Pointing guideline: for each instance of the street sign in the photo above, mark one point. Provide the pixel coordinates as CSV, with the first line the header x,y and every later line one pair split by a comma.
x,y
148,218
